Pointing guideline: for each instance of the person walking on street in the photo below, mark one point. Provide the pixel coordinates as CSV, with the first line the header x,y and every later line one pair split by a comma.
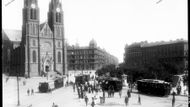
x,y
139,99
53,104
86,100
93,103
104,96
120,92
173,99
32,92
28,92
129,93
74,87
126,100
113,91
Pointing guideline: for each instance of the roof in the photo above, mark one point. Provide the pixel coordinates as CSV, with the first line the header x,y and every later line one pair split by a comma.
x,y
42,25
4,36
13,35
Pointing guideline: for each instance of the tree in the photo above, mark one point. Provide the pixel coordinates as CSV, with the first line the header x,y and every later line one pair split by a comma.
x,y
111,70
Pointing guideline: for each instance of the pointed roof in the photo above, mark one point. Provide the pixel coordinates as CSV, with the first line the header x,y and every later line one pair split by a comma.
x,y
13,35
4,36
42,25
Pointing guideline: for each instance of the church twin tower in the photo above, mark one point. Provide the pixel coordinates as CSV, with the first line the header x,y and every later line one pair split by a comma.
x,y
43,47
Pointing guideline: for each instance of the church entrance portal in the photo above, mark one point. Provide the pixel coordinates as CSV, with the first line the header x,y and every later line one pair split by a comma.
x,y
47,64
47,68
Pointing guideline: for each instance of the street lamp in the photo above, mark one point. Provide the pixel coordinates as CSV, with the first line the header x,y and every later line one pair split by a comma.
x,y
18,88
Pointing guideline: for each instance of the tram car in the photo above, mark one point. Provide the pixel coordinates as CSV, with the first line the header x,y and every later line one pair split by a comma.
x,y
50,85
154,87
81,79
107,82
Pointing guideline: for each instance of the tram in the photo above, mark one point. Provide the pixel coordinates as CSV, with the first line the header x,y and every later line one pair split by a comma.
x,y
50,85
154,87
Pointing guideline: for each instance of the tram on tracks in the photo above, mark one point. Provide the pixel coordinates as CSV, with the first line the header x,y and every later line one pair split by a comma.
x,y
154,87
50,85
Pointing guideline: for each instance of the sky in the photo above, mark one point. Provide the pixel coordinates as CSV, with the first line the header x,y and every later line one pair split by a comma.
x,y
111,23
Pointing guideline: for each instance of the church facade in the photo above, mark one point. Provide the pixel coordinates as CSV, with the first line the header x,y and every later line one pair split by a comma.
x,y
42,46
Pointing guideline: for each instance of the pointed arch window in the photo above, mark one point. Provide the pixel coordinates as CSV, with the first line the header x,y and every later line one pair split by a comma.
x,y
34,56
58,17
33,13
59,57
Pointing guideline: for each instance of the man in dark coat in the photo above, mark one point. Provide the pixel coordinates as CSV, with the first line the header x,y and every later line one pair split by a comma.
x,y
126,100
86,100
28,92
173,99
129,93
93,103
139,99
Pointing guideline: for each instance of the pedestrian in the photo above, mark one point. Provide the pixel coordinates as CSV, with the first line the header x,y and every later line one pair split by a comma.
x,y
109,92
129,93
53,104
74,87
112,91
32,92
120,92
78,91
28,92
86,100
178,90
126,100
173,99
93,103
139,99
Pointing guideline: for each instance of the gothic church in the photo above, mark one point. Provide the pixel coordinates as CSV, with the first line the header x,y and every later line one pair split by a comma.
x,y
42,46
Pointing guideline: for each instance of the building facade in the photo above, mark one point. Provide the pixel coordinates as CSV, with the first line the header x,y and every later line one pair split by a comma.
x,y
139,55
7,48
41,48
88,59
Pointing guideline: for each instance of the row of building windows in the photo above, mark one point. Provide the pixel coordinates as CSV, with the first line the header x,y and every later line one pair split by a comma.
x,y
80,52
34,43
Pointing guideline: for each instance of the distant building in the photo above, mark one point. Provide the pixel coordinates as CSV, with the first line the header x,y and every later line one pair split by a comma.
x,y
139,55
88,59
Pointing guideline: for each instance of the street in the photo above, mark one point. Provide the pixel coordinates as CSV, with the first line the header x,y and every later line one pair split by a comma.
x,y
65,97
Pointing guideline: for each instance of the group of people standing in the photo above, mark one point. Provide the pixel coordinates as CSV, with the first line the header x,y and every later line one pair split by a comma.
x,y
30,91
83,89
111,91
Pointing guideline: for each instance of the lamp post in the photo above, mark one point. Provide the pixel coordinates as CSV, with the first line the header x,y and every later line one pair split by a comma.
x,y
18,88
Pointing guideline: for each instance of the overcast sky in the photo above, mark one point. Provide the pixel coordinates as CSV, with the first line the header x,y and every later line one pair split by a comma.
x,y
112,23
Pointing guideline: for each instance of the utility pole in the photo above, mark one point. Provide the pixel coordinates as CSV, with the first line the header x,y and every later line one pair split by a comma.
x,y
18,88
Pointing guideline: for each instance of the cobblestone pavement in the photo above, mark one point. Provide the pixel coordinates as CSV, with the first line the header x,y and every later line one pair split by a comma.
x,y
65,97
